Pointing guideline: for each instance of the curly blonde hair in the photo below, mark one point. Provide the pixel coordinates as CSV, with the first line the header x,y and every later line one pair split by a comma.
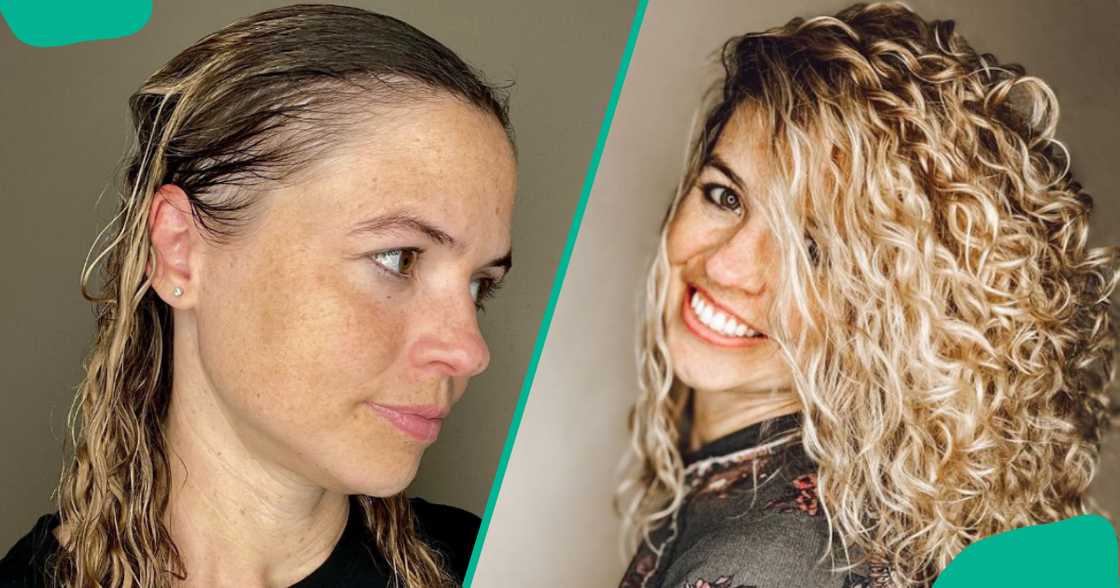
x,y
242,109
957,347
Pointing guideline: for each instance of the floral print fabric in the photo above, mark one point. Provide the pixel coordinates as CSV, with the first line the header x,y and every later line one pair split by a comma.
x,y
751,518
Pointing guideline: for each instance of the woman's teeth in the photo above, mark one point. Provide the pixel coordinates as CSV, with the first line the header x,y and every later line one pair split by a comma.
x,y
717,320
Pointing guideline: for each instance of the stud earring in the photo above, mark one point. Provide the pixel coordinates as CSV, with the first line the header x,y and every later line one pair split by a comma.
x,y
177,292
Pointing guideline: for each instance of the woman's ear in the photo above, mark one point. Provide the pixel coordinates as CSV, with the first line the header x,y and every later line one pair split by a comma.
x,y
171,226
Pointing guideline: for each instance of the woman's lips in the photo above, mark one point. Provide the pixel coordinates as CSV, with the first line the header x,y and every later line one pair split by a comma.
x,y
419,422
708,335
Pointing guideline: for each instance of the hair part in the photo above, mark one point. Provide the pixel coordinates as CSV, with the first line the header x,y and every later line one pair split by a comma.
x,y
959,338
241,110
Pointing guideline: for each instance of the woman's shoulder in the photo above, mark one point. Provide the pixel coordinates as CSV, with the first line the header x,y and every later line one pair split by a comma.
x,y
449,529
26,564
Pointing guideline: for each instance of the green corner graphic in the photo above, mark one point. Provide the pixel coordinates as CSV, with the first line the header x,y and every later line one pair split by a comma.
x,y
1081,551
54,23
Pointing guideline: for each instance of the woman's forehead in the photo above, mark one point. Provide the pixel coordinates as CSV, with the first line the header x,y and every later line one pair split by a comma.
x,y
742,148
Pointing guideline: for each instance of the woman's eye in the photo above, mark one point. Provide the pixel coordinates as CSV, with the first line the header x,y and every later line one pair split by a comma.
x,y
722,196
482,289
398,261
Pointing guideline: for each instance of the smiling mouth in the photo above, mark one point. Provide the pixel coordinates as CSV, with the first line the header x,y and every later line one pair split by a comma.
x,y
713,324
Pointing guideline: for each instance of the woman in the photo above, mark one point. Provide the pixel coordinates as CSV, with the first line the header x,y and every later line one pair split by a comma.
x,y
874,332
319,201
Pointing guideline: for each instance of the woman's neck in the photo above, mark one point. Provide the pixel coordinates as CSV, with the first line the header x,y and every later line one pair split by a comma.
x,y
238,519
719,413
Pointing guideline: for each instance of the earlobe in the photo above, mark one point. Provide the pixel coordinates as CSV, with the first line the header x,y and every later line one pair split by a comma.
x,y
171,227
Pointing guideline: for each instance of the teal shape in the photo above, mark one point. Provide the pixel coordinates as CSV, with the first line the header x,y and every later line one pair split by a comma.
x,y
54,23
1081,551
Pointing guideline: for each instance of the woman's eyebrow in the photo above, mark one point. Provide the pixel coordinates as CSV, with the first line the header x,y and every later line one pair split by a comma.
x,y
505,262
719,164
409,222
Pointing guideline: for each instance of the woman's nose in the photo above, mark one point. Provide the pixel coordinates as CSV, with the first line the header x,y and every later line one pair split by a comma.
x,y
451,346
743,260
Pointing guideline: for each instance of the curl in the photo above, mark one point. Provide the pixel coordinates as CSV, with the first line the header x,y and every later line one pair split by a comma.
x,y
959,340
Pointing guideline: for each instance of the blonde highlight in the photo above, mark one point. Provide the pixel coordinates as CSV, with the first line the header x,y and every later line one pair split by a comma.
x,y
959,337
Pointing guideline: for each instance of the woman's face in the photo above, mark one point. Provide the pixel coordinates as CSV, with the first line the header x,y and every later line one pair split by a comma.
x,y
722,261
340,328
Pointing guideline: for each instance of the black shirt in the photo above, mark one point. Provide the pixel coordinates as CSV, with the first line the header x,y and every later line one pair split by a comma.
x,y
353,562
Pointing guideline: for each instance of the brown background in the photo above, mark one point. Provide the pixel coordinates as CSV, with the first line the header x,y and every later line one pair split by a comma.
x,y
64,125
554,524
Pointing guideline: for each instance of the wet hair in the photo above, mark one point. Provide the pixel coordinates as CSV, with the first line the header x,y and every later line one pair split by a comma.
x,y
958,337
240,111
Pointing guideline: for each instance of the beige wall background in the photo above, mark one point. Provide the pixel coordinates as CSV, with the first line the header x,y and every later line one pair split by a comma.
x,y
554,525
64,125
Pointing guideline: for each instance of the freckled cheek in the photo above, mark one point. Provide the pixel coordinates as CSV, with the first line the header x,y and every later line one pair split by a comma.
x,y
679,249
330,346
676,242
372,342
688,237
767,248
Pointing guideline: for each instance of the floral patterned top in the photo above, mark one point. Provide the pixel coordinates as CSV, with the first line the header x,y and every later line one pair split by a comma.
x,y
750,519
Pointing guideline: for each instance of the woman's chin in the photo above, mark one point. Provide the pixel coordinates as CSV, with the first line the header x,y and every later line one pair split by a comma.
x,y
379,481
701,366
704,366
699,378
